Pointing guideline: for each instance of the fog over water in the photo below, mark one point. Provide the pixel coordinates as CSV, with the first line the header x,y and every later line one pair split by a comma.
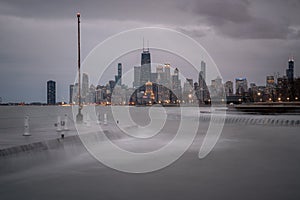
x,y
254,158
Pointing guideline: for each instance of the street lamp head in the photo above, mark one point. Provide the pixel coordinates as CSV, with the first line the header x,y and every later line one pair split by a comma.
x,y
78,14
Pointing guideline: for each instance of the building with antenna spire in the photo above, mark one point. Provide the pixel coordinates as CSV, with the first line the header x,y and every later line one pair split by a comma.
x,y
145,75
290,70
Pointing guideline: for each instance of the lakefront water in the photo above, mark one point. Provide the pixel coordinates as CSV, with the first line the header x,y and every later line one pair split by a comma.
x,y
256,157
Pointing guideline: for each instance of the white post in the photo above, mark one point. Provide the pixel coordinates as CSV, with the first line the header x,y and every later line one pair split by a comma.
x,y
105,119
88,120
58,129
98,118
66,123
26,126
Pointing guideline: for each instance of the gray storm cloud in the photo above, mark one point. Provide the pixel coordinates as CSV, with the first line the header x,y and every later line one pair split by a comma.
x,y
38,38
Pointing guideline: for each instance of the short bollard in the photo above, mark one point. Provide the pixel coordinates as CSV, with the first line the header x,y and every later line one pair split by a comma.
x,y
26,126
88,120
105,119
98,118
66,128
58,124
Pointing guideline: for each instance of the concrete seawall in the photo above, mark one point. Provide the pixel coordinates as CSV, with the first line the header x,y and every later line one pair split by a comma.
x,y
40,146
246,120
59,142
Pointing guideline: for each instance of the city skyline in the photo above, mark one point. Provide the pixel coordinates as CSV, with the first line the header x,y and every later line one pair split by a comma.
x,y
238,86
163,87
246,39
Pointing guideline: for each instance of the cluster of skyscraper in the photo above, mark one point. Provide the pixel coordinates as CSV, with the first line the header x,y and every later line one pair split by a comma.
x,y
277,88
164,87
159,87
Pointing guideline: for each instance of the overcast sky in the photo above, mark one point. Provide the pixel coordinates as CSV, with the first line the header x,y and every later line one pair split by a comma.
x,y
38,37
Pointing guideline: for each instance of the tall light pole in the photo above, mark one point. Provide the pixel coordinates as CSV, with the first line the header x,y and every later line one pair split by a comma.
x,y
79,116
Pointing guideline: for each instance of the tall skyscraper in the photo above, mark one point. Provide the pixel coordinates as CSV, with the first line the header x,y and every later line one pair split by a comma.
x,y
85,86
176,84
51,92
290,71
137,77
145,67
118,78
203,92
168,75
203,70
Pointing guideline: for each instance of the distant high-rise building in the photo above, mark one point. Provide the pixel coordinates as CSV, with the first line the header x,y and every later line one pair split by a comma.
x,y
176,84
218,81
51,92
228,88
217,88
159,69
153,77
75,93
203,70
71,93
92,94
118,78
290,77
85,86
270,92
290,71
161,75
176,71
241,86
112,85
270,81
282,88
188,91
190,81
202,92
168,75
101,93
137,77
145,67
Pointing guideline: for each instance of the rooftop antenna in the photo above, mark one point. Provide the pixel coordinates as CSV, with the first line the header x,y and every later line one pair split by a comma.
x,y
291,58
148,44
143,44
